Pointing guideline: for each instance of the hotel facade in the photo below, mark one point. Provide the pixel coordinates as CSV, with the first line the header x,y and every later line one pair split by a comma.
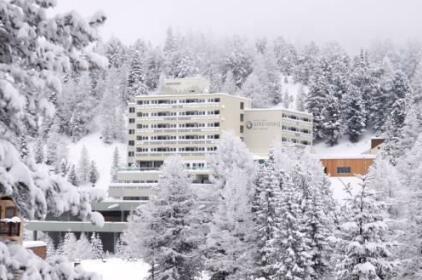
x,y
187,120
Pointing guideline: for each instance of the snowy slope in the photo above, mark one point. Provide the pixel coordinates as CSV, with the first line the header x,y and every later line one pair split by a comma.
x,y
101,153
344,148
117,269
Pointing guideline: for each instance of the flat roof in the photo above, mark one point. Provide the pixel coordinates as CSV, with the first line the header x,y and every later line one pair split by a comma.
x,y
360,156
280,110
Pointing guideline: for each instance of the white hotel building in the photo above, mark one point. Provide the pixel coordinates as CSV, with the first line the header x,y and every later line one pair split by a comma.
x,y
186,119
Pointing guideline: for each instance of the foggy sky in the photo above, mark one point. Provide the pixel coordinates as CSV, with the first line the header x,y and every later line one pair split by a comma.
x,y
354,23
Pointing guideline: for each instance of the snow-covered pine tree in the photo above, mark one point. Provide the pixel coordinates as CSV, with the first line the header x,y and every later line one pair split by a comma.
x,y
83,248
307,63
83,166
229,85
330,117
171,228
238,61
293,260
265,212
300,98
39,153
96,246
409,198
93,175
58,45
68,246
354,114
111,107
364,250
72,177
115,164
399,108
285,56
317,99
137,75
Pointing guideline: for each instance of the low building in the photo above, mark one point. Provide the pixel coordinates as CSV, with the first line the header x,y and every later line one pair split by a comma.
x,y
346,166
11,229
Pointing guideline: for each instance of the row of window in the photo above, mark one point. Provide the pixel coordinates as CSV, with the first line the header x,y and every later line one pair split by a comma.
x,y
303,142
304,130
172,114
173,125
293,117
173,149
173,137
175,101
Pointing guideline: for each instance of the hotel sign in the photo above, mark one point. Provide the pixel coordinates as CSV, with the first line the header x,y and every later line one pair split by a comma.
x,y
262,124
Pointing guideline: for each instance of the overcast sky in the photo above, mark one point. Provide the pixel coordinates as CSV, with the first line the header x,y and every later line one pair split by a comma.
x,y
354,23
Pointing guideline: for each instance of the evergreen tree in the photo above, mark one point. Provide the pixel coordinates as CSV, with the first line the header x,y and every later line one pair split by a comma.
x,y
354,114
93,174
238,61
96,246
137,76
331,126
170,227
265,211
68,246
317,99
364,248
229,85
72,177
83,248
83,166
293,258
115,164
39,151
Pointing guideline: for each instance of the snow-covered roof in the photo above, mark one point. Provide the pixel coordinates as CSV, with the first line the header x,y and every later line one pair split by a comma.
x,y
33,243
358,156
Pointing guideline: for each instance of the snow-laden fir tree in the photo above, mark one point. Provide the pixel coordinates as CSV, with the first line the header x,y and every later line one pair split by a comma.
x,y
229,85
96,246
265,212
293,260
115,164
354,114
83,166
410,168
39,152
93,174
47,46
83,249
330,117
112,108
238,61
399,108
72,177
317,99
363,246
137,75
68,246
230,243
170,227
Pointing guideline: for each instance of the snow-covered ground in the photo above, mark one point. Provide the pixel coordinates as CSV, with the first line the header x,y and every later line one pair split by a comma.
x,y
344,147
117,269
100,152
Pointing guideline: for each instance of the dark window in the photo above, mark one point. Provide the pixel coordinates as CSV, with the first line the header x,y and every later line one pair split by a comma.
x,y
131,143
242,105
131,109
131,131
131,120
241,129
131,154
344,170
241,117
10,212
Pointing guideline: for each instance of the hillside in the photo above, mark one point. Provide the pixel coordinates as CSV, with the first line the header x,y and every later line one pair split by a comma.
x,y
100,152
